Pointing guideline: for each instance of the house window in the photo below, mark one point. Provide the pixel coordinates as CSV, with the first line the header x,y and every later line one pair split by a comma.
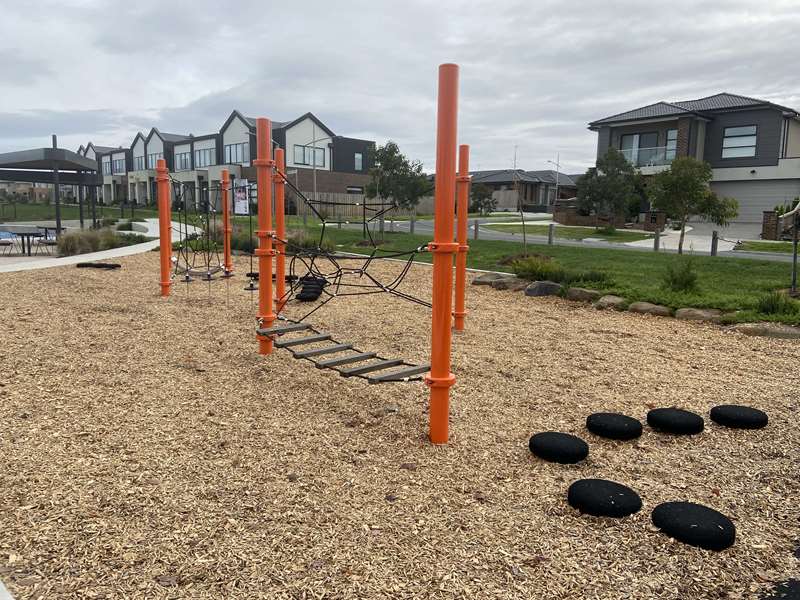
x,y
204,158
303,155
138,163
739,142
237,154
182,162
152,159
118,165
359,161
106,167
672,144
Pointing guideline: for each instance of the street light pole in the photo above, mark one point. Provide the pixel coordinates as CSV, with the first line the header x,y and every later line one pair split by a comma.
x,y
558,171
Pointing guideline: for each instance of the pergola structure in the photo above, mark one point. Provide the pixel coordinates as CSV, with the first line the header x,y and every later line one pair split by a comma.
x,y
55,166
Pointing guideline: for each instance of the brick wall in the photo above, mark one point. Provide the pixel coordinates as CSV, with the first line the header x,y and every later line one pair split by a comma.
x,y
769,225
684,127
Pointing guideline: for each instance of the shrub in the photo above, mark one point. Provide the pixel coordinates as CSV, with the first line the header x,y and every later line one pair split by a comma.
x,y
776,303
535,268
107,222
78,242
302,240
680,276
542,268
128,226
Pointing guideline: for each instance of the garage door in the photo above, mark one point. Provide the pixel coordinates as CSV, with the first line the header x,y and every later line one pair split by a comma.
x,y
757,196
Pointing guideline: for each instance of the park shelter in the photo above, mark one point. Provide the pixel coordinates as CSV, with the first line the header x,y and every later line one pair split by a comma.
x,y
54,166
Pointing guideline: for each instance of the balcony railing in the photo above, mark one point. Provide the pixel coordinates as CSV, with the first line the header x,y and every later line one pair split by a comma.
x,y
649,157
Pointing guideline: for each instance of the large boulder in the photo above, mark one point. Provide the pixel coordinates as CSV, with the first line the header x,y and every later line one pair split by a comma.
x,y
772,330
488,278
699,314
510,283
610,301
582,294
646,308
543,288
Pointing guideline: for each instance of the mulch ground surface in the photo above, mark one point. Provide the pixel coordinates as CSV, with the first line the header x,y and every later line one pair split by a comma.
x,y
148,451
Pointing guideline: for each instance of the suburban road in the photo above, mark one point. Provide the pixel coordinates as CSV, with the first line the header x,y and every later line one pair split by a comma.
x,y
700,231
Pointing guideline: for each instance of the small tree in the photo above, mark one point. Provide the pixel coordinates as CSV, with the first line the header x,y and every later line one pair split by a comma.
x,y
482,200
396,177
682,192
609,188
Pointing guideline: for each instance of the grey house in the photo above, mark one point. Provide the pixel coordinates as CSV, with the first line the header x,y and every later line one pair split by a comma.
x,y
752,145
535,190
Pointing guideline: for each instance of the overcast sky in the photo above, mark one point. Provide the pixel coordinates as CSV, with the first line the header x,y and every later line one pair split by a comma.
x,y
533,73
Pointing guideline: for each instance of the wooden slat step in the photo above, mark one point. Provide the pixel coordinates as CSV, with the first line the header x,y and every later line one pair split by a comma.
x,y
310,339
345,360
369,368
321,351
278,329
400,374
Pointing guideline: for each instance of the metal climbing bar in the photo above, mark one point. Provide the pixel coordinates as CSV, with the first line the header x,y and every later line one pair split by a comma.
x,y
264,252
462,211
440,379
164,224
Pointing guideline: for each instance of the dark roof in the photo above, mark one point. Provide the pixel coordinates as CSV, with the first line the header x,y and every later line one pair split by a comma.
x,y
43,158
699,107
101,149
172,137
511,175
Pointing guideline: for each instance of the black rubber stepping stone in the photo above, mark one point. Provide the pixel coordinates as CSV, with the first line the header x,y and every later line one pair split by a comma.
x,y
558,447
739,417
695,524
603,498
98,265
614,426
786,590
675,420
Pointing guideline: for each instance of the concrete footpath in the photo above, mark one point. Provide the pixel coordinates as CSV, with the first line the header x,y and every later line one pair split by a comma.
x,y
147,228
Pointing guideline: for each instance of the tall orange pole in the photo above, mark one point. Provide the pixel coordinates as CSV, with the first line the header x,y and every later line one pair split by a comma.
x,y
440,379
280,228
164,224
226,224
264,252
462,210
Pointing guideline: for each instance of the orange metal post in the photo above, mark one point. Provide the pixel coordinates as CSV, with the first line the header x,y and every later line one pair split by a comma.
x,y
440,379
264,252
280,229
164,224
462,210
226,223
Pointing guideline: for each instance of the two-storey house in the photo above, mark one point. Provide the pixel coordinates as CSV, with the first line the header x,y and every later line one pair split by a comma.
x,y
753,146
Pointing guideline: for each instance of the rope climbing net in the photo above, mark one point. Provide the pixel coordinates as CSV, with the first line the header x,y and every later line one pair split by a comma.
x,y
314,271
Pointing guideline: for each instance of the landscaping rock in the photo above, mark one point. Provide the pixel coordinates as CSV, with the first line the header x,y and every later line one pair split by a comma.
x,y
699,314
650,309
543,288
610,301
582,294
603,498
488,278
772,330
510,283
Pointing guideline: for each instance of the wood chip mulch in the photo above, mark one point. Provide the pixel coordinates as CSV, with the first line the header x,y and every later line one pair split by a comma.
x,y
148,451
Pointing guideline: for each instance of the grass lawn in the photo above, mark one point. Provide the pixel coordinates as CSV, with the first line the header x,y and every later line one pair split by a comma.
x,y
765,247
724,283
573,233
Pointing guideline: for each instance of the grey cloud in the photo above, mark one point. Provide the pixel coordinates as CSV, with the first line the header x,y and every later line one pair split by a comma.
x,y
533,74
